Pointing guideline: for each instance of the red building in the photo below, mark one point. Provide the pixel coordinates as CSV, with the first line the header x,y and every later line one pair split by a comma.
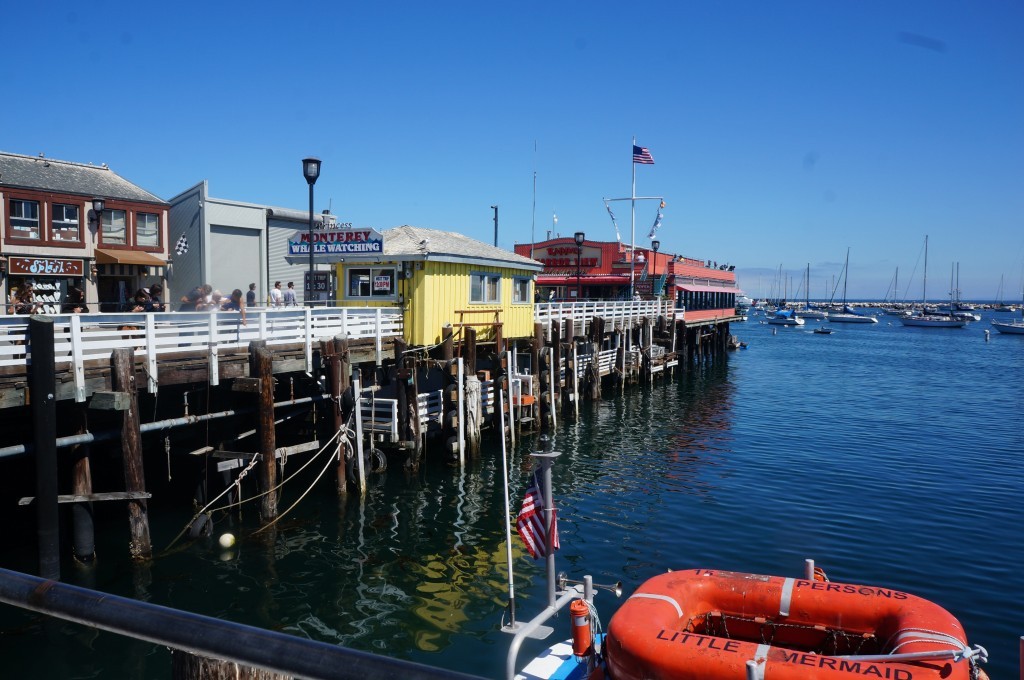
x,y
66,226
704,288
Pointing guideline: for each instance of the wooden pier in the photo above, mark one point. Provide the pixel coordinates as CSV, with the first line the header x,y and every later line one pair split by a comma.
x,y
375,391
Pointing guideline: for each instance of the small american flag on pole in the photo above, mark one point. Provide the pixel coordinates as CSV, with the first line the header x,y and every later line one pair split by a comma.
x,y
530,522
642,155
181,247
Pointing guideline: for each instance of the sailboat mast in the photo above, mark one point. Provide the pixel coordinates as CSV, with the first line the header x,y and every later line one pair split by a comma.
x,y
846,276
807,291
924,282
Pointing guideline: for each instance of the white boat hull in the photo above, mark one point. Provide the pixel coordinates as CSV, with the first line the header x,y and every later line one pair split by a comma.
x,y
932,322
1011,327
851,318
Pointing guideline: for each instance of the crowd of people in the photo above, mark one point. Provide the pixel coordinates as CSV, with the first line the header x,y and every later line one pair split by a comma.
x,y
205,299
202,298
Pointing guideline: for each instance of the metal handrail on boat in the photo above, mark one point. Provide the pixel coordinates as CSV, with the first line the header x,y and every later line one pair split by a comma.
x,y
206,635
528,628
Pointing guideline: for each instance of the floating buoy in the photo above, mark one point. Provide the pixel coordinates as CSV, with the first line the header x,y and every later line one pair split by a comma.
x,y
579,613
227,540
986,334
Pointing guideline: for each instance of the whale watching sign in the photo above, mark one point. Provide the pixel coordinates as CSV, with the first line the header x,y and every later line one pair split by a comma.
x,y
330,245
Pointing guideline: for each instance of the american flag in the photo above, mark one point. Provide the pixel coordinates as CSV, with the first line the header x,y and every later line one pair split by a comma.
x,y
642,155
181,247
530,522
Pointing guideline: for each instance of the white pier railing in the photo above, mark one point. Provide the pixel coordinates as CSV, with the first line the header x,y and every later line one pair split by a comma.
x,y
79,338
618,313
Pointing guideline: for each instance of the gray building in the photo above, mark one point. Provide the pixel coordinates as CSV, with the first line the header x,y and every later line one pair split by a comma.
x,y
232,244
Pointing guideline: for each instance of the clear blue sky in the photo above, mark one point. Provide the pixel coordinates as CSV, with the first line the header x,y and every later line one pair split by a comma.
x,y
783,132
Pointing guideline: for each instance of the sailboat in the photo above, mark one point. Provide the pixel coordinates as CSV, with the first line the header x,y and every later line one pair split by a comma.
x,y
925,320
1012,327
893,308
807,312
848,315
1000,306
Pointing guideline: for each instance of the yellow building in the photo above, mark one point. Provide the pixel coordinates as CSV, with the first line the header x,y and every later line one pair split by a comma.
x,y
440,277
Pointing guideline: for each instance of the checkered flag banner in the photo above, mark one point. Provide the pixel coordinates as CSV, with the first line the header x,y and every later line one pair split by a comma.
x,y
182,246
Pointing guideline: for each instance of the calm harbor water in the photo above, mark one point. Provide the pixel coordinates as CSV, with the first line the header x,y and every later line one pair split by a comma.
x,y
890,455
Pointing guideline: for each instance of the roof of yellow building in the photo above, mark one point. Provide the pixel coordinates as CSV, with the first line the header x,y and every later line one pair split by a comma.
x,y
416,243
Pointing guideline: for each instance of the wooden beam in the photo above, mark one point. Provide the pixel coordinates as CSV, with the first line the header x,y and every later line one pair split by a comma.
x,y
110,401
90,497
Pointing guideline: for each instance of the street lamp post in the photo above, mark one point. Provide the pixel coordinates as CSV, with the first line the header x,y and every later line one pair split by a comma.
x,y
579,237
655,244
311,171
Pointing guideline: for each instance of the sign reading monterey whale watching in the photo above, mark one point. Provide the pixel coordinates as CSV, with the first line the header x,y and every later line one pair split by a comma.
x,y
338,242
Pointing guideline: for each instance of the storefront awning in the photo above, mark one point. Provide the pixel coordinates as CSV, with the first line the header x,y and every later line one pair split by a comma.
x,y
693,288
128,257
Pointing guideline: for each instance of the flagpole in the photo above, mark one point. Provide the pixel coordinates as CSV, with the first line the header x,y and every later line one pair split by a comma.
x,y
533,224
632,226
547,460
508,517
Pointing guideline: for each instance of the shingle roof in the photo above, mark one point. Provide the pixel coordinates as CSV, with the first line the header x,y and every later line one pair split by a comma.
x,y
48,174
408,241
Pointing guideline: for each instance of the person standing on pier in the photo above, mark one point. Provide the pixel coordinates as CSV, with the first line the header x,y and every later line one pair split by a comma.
x,y
155,303
276,296
23,301
235,304
250,296
75,302
289,295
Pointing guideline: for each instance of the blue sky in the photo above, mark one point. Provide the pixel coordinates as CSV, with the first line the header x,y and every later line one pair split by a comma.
x,y
783,132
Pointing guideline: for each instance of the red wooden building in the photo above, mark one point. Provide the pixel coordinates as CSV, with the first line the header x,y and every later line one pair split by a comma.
x,y
602,270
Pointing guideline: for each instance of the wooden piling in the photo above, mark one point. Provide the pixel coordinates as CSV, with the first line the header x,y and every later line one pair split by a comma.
x,y
401,395
261,365
473,403
447,343
593,384
185,666
43,403
83,532
412,390
122,379
536,351
556,366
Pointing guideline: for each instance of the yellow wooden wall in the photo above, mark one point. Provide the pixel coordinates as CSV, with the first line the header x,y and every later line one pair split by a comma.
x,y
439,290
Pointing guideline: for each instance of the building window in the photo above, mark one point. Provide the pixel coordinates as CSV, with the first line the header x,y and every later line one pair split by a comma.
x,y
371,282
147,230
66,226
485,288
114,230
520,291
25,219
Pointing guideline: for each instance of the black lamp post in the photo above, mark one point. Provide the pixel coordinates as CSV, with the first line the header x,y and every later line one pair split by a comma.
x,y
655,244
579,237
311,171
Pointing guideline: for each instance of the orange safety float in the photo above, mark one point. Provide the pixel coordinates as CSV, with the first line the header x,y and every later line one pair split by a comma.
x,y
707,625
582,639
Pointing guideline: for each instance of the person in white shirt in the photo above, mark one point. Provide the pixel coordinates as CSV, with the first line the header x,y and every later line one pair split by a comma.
x,y
276,296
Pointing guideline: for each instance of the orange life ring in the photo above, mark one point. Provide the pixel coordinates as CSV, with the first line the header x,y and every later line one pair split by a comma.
x,y
705,624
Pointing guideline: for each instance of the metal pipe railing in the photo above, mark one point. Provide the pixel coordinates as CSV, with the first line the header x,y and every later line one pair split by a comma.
x,y
205,635
90,437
